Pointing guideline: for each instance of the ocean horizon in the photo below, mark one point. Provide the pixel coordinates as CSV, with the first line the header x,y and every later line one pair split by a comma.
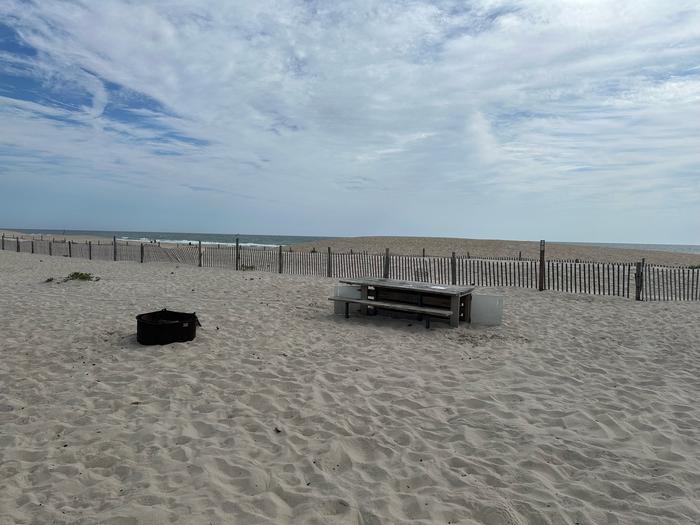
x,y
284,240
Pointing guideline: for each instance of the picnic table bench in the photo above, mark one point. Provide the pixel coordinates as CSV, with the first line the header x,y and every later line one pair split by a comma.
x,y
424,299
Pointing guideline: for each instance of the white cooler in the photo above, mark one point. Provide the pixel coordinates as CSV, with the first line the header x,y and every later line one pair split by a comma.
x,y
487,309
351,292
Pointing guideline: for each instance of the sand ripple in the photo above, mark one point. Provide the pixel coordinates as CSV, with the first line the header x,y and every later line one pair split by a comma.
x,y
577,410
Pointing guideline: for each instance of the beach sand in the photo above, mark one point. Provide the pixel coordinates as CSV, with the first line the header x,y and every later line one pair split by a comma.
x,y
61,237
498,248
578,409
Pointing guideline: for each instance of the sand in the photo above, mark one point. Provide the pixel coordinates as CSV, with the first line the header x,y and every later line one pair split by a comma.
x,y
577,409
498,248
58,237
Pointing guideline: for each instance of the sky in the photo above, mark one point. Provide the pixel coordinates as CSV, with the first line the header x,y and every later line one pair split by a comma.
x,y
570,120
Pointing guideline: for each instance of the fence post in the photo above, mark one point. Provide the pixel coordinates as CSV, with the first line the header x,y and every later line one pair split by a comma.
x,y
50,248
90,250
238,256
142,248
200,253
520,255
32,245
386,264
540,285
70,249
423,252
638,280
453,264
329,270
114,244
3,241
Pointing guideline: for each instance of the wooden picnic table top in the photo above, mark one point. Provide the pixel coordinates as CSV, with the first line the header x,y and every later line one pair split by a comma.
x,y
411,286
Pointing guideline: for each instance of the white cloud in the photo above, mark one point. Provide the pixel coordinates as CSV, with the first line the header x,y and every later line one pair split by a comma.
x,y
286,98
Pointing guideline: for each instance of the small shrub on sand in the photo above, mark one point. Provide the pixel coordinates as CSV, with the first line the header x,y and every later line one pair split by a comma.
x,y
80,276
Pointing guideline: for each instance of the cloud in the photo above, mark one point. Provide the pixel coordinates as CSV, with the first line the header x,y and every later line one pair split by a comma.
x,y
288,98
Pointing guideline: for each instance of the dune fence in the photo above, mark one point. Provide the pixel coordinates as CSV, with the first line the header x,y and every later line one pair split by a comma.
x,y
640,281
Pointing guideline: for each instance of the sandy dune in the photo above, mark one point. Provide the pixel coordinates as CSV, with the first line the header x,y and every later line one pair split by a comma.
x,y
577,410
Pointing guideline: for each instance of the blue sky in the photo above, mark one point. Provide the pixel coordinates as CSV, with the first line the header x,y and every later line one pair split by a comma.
x,y
570,120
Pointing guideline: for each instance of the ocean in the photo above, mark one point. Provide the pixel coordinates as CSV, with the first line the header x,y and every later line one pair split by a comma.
x,y
276,240
183,237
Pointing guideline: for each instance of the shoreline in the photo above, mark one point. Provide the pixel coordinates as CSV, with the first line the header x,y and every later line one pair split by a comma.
x,y
80,238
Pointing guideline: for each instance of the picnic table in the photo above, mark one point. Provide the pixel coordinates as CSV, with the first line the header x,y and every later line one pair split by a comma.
x,y
425,299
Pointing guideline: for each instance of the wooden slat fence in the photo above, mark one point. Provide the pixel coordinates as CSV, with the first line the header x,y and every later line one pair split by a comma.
x,y
655,282
25,246
258,259
41,247
424,269
591,278
669,283
355,265
60,249
183,254
79,250
126,252
103,252
497,272
305,263
214,256
154,253
499,258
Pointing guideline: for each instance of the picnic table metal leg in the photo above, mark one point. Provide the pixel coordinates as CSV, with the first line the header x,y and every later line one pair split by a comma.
x,y
347,310
427,322
454,306
363,296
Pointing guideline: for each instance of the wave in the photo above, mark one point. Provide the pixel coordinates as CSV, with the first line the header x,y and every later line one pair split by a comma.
x,y
194,242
